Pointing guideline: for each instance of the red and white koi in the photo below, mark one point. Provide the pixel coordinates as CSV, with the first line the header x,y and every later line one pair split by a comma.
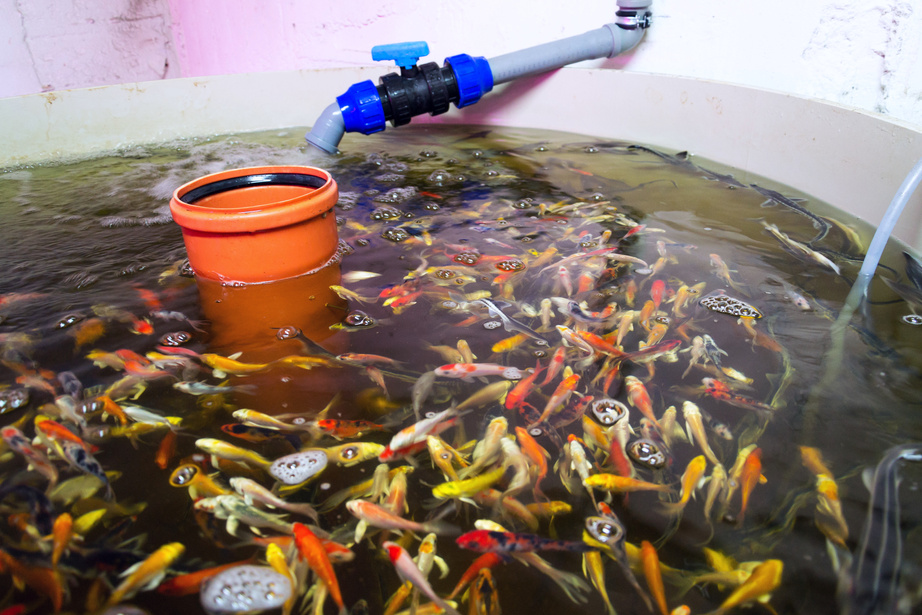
x,y
408,571
413,438
468,371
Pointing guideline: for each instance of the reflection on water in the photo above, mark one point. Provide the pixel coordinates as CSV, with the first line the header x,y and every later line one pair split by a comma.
x,y
511,249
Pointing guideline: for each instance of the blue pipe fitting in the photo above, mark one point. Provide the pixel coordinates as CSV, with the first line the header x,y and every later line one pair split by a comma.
x,y
473,76
361,108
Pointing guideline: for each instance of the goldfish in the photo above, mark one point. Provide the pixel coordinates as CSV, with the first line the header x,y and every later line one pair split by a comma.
x,y
442,456
146,574
311,550
622,484
763,580
690,479
607,533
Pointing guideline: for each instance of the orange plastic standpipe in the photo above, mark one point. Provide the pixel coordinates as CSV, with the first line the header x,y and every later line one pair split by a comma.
x,y
258,233
262,257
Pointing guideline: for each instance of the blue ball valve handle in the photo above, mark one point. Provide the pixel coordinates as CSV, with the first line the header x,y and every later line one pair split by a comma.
x,y
417,89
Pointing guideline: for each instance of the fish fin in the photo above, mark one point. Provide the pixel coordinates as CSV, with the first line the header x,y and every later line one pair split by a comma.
x,y
867,477
234,357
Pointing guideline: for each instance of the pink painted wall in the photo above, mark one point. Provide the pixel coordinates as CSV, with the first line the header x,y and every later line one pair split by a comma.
x,y
863,53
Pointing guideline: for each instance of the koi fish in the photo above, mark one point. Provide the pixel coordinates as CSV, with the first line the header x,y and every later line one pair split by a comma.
x,y
764,579
254,492
749,478
483,562
651,571
690,478
622,484
199,484
467,487
413,438
342,429
694,423
638,396
225,450
484,541
469,371
407,571
559,398
377,516
146,574
191,582
311,550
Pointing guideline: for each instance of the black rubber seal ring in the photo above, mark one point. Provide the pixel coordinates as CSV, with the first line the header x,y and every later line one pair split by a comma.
x,y
247,181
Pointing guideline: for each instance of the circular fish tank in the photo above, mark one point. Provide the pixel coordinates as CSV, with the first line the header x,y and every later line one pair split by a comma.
x,y
578,362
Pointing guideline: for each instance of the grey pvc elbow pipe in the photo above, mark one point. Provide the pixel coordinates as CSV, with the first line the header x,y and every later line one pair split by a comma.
x,y
328,130
605,42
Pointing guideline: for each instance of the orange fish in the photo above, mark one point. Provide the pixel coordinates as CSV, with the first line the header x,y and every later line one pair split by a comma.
x,y
657,290
191,582
653,574
61,535
519,393
166,450
640,399
44,581
693,473
749,478
560,396
536,455
341,429
311,550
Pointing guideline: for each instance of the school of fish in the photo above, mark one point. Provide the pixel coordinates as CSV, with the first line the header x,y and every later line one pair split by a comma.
x,y
576,410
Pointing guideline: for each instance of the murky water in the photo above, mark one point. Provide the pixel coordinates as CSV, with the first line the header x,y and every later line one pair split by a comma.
x,y
481,213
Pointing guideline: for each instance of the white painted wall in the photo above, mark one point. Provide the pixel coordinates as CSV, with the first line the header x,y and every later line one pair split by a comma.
x,y
50,45
863,53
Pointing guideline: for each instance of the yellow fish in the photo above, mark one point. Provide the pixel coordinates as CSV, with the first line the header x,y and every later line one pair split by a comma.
x,y
146,574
